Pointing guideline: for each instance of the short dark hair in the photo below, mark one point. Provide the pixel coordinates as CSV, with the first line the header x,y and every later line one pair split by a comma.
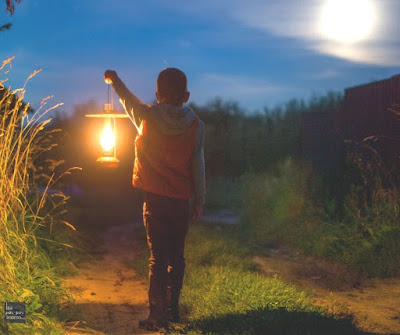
x,y
171,82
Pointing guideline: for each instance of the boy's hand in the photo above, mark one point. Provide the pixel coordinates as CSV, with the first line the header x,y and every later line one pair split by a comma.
x,y
110,76
196,214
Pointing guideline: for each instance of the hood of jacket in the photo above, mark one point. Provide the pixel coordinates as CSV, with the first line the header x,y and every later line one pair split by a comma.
x,y
172,120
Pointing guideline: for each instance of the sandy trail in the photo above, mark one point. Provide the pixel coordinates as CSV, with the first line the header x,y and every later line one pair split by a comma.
x,y
111,298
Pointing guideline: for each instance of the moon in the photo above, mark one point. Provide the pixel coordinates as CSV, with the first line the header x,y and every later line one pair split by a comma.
x,y
347,21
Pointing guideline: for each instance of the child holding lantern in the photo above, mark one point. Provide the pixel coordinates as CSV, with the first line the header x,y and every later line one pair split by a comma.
x,y
169,168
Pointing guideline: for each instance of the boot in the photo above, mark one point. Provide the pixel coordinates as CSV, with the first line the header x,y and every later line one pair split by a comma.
x,y
173,304
152,324
157,318
158,314
173,314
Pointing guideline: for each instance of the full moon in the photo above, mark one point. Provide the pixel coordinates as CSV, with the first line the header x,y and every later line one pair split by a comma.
x,y
347,21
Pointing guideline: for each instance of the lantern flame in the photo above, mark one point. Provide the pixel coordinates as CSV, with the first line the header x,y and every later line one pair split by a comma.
x,y
107,138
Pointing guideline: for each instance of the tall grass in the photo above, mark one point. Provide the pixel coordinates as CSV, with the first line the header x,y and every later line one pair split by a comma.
x,y
29,207
290,207
372,212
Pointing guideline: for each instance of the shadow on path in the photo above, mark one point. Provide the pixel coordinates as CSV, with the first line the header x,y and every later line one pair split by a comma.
x,y
280,321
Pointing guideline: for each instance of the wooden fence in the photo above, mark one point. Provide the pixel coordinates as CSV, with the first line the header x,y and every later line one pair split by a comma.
x,y
365,114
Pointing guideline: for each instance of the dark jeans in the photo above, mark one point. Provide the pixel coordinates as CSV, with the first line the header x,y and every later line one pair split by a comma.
x,y
166,221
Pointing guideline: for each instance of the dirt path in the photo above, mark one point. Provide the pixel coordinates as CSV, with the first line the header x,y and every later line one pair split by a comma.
x,y
374,303
111,299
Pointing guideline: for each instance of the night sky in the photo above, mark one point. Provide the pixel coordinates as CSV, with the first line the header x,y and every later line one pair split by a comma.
x,y
258,53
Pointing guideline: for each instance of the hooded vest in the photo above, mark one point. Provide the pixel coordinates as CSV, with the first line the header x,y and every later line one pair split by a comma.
x,y
163,162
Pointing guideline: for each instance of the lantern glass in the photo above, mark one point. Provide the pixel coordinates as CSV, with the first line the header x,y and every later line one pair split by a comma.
x,y
107,137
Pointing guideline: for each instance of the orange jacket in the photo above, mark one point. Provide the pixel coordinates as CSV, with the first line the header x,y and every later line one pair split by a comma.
x,y
163,162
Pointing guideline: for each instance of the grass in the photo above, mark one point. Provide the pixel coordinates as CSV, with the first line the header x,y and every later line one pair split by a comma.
x,y
224,293
31,214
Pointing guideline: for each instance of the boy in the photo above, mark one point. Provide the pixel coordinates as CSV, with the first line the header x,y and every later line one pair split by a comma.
x,y
169,168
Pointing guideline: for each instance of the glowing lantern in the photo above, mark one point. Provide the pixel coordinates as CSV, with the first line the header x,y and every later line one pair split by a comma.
x,y
109,134
107,137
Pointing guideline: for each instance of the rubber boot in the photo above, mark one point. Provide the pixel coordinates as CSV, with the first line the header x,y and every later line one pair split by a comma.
x,y
173,294
157,317
158,310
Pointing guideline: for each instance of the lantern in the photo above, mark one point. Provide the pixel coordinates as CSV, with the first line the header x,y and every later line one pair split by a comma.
x,y
108,136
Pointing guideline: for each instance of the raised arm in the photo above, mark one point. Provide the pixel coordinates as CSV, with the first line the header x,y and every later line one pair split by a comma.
x,y
132,104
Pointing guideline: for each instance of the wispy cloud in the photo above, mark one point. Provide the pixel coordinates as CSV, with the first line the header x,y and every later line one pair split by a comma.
x,y
322,75
238,85
283,18
252,92
382,53
301,20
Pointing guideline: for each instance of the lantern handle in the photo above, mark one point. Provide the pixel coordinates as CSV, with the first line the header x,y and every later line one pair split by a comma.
x,y
115,134
110,93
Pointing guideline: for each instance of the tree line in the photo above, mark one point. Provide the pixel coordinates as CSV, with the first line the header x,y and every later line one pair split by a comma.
x,y
236,141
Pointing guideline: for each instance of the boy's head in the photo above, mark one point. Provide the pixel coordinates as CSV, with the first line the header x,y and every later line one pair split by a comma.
x,y
172,87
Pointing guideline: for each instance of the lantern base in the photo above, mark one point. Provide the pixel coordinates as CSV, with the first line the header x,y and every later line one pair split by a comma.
x,y
108,162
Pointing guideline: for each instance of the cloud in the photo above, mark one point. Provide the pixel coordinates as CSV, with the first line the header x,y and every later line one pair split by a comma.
x,y
283,18
378,53
238,85
252,92
301,20
325,74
